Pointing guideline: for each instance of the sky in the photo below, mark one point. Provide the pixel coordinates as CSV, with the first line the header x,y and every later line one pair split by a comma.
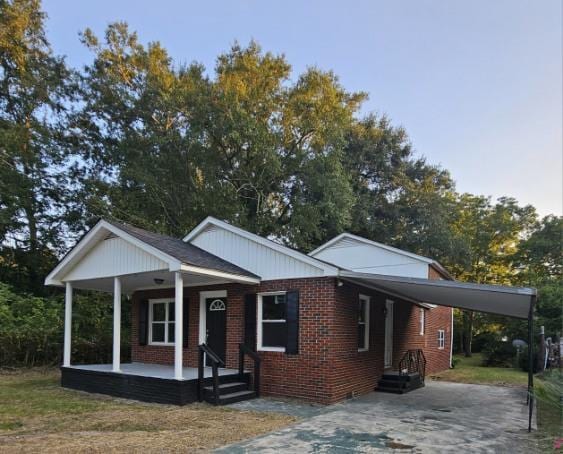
x,y
477,84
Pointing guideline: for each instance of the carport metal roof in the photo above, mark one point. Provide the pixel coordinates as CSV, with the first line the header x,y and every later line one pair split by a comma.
x,y
493,299
515,302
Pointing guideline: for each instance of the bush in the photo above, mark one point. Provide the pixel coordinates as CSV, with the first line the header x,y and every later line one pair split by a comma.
x,y
31,328
497,353
482,340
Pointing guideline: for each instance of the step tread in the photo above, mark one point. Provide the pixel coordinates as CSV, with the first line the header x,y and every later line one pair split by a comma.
x,y
224,386
237,394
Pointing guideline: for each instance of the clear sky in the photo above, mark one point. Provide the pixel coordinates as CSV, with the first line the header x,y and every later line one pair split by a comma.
x,y
476,83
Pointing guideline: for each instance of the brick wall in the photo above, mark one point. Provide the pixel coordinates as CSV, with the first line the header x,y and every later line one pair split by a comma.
x,y
305,375
355,372
328,367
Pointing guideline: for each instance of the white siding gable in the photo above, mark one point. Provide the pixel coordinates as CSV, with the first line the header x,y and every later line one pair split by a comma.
x,y
256,255
114,256
356,255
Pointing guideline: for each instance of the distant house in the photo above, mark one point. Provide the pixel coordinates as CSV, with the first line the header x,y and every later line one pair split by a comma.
x,y
224,315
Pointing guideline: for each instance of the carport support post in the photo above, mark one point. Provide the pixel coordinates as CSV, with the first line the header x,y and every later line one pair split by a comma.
x,y
178,324
531,361
116,324
68,325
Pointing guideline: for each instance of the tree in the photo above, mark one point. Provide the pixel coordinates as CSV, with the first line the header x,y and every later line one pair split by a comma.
x,y
35,87
492,233
167,146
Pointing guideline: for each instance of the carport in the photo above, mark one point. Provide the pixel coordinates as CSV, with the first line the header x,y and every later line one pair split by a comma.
x,y
517,302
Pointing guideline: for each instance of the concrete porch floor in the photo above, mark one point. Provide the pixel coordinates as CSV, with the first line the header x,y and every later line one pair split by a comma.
x,y
153,370
442,417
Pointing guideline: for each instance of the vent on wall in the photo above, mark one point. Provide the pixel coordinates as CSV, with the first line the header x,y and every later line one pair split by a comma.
x,y
110,236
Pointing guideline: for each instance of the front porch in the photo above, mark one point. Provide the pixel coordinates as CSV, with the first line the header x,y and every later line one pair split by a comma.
x,y
147,382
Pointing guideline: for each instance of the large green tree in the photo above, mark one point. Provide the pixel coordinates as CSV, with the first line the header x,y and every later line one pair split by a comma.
x,y
35,89
492,233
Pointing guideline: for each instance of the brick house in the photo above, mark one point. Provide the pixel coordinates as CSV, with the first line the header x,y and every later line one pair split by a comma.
x,y
224,315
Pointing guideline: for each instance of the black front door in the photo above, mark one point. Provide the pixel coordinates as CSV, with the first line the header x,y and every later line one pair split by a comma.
x,y
216,321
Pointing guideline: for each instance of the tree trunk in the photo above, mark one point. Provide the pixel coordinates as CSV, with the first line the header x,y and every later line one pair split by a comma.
x,y
467,332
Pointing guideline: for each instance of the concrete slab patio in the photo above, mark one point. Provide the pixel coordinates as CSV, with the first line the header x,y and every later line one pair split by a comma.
x,y
441,417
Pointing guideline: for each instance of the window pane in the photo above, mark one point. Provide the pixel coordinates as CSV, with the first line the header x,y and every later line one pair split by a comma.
x,y
274,334
158,332
362,311
171,311
171,329
273,307
158,312
361,336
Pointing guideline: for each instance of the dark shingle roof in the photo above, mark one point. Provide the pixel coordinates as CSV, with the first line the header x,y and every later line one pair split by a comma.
x,y
185,252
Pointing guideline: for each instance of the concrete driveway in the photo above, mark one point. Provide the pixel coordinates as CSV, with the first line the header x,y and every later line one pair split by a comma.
x,y
441,417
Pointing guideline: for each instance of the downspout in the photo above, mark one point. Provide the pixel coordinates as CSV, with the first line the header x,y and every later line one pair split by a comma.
x,y
531,361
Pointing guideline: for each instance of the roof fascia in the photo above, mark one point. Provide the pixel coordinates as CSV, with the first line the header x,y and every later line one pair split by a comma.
x,y
219,274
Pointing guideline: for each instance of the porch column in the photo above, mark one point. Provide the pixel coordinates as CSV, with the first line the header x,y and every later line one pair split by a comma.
x,y
68,325
116,324
178,324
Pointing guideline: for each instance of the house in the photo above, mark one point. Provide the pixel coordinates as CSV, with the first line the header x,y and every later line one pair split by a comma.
x,y
225,315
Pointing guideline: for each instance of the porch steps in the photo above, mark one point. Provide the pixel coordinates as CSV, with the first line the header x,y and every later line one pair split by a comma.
x,y
229,393
393,382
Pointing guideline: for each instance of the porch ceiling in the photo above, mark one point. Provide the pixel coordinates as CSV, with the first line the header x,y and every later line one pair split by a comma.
x,y
146,281
493,299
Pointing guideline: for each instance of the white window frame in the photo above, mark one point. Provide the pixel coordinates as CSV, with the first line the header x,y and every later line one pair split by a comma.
x,y
259,321
367,300
166,322
422,320
441,339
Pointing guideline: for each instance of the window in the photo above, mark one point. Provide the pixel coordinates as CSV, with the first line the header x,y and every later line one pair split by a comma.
x,y
363,323
421,321
441,338
161,322
272,323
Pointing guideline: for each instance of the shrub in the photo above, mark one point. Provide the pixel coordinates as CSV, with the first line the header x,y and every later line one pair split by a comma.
x,y
498,353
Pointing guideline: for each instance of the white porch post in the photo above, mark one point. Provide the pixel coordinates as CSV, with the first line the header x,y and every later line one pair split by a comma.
x,y
116,324
178,324
68,325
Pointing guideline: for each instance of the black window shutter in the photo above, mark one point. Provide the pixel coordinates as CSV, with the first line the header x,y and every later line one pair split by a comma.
x,y
143,322
292,317
185,321
250,320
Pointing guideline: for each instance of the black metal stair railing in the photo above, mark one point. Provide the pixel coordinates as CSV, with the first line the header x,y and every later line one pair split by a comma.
x,y
413,361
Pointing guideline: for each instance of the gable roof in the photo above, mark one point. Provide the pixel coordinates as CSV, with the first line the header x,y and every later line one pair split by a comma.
x,y
185,252
211,221
173,251
348,238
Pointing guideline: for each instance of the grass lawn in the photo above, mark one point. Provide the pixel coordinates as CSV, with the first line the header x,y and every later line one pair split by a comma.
x,y
37,415
471,370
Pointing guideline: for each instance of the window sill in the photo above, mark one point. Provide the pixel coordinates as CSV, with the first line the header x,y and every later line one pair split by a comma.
x,y
161,344
360,350
271,349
